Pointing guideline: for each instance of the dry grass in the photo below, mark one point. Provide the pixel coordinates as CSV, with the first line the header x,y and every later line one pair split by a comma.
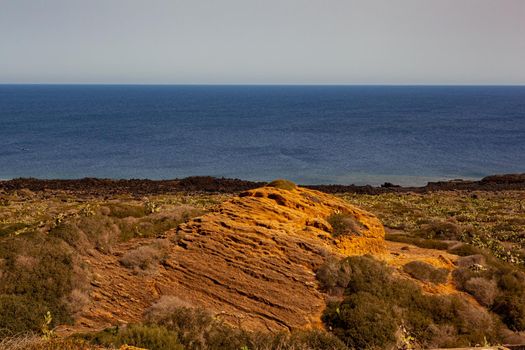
x,y
35,342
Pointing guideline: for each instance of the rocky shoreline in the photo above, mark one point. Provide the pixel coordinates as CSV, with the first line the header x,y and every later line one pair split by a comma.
x,y
95,186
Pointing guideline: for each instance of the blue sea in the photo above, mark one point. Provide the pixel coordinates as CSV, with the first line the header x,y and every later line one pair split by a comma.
x,y
310,134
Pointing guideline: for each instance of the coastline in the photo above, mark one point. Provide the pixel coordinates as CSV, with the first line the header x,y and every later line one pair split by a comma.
x,y
97,186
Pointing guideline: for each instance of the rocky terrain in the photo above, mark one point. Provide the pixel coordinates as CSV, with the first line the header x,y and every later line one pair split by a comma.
x,y
252,260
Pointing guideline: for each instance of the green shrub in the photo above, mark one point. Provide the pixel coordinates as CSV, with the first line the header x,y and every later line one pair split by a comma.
x,y
362,321
144,336
494,284
282,184
426,272
156,224
20,314
377,304
121,210
344,224
38,272
440,230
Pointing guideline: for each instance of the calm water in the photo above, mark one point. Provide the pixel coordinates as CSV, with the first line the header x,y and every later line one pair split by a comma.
x,y
309,134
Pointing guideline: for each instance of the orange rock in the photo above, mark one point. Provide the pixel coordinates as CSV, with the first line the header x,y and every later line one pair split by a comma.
x,y
255,256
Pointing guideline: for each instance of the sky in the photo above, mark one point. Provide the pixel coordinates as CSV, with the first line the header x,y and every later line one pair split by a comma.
x,y
263,42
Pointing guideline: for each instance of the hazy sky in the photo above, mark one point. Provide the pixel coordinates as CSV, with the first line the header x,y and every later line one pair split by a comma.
x,y
266,41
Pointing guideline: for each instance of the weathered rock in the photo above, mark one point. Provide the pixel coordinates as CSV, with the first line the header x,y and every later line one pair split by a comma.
x,y
252,262
256,255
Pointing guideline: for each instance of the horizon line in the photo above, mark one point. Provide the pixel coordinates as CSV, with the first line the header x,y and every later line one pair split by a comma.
x,y
268,84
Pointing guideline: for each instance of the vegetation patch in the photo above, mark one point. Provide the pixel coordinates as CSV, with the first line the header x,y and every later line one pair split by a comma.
x,y
496,285
378,308
282,184
146,257
37,275
426,272
490,221
344,224
183,327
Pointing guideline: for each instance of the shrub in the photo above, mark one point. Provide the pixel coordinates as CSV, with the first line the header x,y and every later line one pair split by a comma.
x,y
362,321
121,210
512,310
19,314
85,232
440,230
377,303
144,336
156,224
43,279
484,290
464,250
426,272
343,224
314,339
146,257
35,342
282,184
333,276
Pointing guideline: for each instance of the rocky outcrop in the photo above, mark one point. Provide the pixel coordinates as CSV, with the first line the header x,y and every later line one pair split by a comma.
x,y
252,262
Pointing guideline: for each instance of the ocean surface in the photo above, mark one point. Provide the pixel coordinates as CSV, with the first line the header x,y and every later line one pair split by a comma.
x,y
310,134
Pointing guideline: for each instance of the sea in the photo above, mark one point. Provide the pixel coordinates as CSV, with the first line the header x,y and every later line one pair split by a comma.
x,y
406,135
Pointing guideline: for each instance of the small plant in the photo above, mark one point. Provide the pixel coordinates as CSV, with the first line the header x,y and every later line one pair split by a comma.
x,y
87,210
151,207
47,333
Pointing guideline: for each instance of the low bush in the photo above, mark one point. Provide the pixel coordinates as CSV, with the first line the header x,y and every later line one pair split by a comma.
x,y
37,272
169,324
378,305
494,284
121,210
465,250
143,336
426,272
147,256
444,230
8,229
483,290
282,184
86,232
333,276
344,224
155,224
362,321
20,314
35,342
418,242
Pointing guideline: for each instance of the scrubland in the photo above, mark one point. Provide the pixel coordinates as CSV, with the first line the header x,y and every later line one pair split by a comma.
x,y
370,304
